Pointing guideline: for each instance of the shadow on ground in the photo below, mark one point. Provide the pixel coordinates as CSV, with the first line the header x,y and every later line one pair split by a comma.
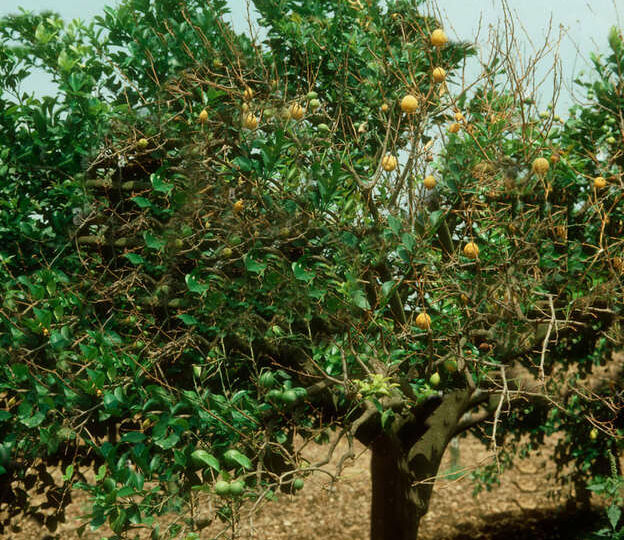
x,y
533,525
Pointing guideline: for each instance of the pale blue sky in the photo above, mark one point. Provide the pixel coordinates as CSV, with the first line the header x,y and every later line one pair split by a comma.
x,y
585,25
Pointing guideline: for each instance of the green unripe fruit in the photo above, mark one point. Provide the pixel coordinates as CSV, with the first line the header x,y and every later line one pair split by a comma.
x,y
434,380
314,104
301,393
178,242
311,95
274,396
222,488
610,140
139,344
236,488
289,397
266,379
235,240
323,127
227,252
142,144
109,484
450,366
297,484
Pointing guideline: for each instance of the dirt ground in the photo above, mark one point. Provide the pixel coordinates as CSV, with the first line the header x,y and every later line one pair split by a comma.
x,y
526,505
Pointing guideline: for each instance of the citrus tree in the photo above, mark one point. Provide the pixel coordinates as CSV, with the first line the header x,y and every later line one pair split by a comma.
x,y
215,251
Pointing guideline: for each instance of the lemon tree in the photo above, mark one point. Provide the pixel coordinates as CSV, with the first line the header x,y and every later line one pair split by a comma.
x,y
213,248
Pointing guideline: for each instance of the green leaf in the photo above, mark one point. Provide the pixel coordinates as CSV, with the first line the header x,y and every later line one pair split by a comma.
x,y
159,185
386,418
134,258
34,421
187,319
142,202
254,266
167,442
386,288
201,458
152,242
360,300
234,456
614,513
394,224
133,437
301,273
194,286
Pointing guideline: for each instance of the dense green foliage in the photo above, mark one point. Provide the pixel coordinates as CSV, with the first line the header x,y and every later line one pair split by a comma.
x,y
183,297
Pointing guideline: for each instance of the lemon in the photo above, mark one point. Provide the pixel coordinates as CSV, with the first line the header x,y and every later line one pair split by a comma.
x,y
142,144
409,104
438,38
389,162
599,182
429,181
540,165
250,122
471,250
296,111
454,127
203,116
423,321
439,74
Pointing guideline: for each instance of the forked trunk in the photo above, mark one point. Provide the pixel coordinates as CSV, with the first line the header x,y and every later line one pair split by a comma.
x,y
397,504
404,464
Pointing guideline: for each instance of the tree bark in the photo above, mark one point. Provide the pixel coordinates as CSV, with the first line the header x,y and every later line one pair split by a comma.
x,y
404,464
397,507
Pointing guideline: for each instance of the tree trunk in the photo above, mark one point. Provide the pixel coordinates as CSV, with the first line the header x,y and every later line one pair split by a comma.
x,y
397,506
404,464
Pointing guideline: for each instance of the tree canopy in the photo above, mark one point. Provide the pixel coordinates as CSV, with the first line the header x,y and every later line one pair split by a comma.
x,y
214,250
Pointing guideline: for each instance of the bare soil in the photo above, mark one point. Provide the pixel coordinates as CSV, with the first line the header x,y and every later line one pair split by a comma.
x,y
527,504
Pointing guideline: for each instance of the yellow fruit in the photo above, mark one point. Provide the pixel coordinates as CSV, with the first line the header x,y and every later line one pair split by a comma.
x,y
438,38
599,182
227,252
540,165
250,122
238,206
429,181
593,434
454,127
142,144
384,107
464,299
296,111
471,250
245,107
459,116
203,116
434,380
248,94
439,74
423,321
389,162
409,104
